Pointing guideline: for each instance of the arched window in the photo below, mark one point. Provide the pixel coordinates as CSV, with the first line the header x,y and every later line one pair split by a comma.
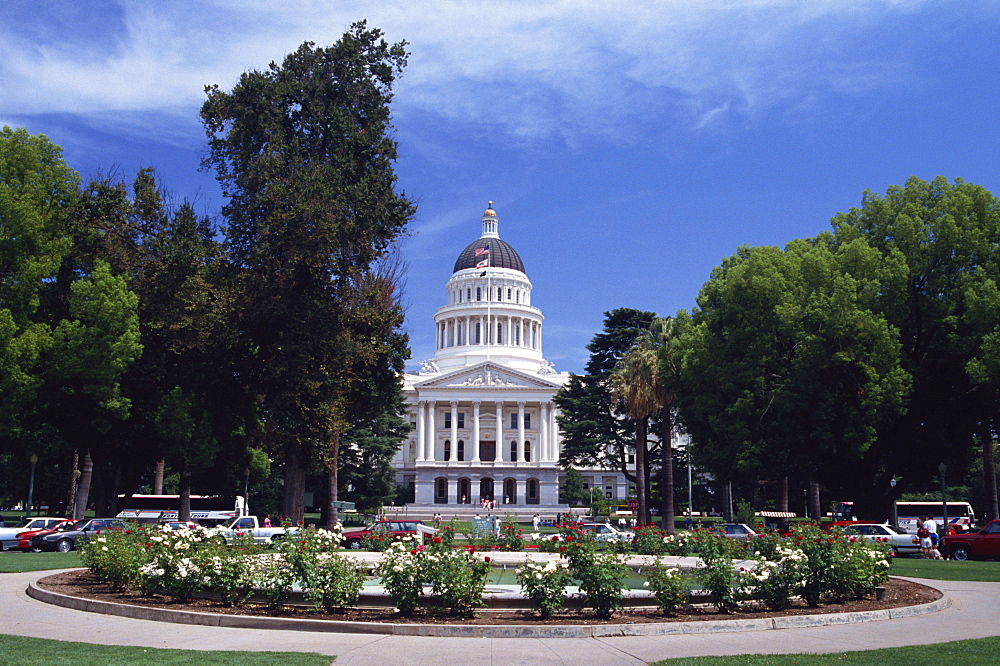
x,y
461,450
499,293
499,333
527,451
513,451
508,293
509,491
479,293
478,333
531,491
440,490
468,294
447,449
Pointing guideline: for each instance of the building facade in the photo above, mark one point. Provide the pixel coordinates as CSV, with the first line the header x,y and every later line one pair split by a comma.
x,y
484,418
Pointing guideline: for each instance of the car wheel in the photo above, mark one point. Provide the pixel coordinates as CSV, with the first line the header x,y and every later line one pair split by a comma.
x,y
895,552
961,553
64,546
277,538
354,544
34,549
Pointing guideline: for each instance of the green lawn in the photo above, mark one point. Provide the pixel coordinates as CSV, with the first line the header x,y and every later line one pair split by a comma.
x,y
16,562
23,650
946,569
976,651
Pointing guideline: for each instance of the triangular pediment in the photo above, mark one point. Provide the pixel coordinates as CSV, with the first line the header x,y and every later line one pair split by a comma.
x,y
488,376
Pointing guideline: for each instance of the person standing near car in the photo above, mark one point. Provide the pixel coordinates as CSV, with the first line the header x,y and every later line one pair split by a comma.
x,y
931,526
924,535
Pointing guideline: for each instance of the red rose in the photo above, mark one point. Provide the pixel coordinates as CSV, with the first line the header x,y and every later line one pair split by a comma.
x,y
569,539
148,545
562,548
487,558
128,531
436,540
555,537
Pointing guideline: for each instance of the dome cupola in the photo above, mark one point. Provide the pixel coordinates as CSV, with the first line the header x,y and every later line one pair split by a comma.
x,y
499,253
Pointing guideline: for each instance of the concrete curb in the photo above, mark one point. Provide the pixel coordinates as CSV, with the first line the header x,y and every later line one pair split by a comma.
x,y
478,631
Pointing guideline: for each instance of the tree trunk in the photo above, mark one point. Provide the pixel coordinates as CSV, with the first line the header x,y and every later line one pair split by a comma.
x,y
640,466
667,511
83,492
815,508
74,475
295,480
184,490
727,501
989,473
158,477
783,494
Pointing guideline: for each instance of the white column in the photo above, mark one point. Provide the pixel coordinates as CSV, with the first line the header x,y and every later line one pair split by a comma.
x,y
510,330
454,429
553,434
431,430
421,430
520,432
543,432
499,431
475,431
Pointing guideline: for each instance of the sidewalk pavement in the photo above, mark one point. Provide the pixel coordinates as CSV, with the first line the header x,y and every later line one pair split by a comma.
x,y
974,613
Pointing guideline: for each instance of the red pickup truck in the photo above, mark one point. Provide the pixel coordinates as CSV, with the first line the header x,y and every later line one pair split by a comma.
x,y
973,545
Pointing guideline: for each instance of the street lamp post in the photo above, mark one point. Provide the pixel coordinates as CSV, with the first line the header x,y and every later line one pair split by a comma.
x,y
895,512
690,489
33,459
944,501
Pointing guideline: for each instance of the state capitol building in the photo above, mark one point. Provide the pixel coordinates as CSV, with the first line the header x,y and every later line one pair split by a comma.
x,y
482,409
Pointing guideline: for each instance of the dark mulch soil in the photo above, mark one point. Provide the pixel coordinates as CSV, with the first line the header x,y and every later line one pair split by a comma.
x,y
82,584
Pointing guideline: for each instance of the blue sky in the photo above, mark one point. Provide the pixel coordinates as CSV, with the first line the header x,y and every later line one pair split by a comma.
x,y
627,147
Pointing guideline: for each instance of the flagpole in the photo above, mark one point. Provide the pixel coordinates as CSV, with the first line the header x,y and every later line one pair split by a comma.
x,y
489,300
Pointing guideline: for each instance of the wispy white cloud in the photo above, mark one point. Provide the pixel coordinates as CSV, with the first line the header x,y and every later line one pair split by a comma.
x,y
532,69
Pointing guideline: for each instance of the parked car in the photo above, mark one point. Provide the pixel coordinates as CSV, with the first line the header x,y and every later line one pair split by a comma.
x,y
251,526
69,536
8,535
900,542
605,532
181,524
352,538
24,538
735,530
974,545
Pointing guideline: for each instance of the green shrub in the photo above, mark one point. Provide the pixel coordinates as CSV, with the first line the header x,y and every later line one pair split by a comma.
x,y
544,585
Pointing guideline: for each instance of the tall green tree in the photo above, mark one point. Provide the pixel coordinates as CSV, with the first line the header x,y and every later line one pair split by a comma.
x,y
946,235
37,189
787,367
304,153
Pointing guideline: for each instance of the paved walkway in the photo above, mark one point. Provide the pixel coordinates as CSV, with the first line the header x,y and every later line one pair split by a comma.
x,y
974,613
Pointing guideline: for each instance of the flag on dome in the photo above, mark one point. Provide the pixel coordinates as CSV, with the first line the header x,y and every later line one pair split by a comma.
x,y
480,251
483,264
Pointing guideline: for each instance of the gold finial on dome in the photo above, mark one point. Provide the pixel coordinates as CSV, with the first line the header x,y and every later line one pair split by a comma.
x,y
489,210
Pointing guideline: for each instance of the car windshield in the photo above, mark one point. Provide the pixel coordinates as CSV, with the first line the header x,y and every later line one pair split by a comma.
x,y
72,526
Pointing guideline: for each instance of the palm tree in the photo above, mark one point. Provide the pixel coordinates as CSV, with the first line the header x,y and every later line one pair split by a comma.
x,y
635,383
662,332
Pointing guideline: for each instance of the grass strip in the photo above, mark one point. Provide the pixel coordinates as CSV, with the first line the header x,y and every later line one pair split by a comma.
x,y
974,651
16,562
24,650
988,572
